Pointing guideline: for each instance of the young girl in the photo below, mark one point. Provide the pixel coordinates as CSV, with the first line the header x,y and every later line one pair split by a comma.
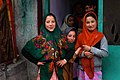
x,y
94,48
68,64
68,22
46,49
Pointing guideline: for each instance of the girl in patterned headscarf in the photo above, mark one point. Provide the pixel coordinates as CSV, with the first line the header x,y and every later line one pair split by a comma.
x,y
47,48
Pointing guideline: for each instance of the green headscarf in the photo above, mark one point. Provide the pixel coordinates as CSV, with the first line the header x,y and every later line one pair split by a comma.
x,y
42,48
54,35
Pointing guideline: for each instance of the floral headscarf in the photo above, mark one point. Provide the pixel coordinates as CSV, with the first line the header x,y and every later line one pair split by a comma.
x,y
47,47
50,42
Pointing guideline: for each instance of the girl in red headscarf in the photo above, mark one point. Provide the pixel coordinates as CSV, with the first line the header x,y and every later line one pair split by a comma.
x,y
94,47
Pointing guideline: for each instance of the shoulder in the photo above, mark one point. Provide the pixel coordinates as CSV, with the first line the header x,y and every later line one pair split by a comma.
x,y
104,39
80,34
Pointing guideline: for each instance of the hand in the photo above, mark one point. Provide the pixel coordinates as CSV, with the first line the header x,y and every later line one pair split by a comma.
x,y
40,63
88,54
77,51
86,47
61,63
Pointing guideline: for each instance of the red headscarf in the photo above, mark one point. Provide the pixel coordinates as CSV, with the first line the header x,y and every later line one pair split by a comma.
x,y
90,39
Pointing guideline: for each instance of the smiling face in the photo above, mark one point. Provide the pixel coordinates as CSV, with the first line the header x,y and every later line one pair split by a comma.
x,y
91,23
71,36
50,23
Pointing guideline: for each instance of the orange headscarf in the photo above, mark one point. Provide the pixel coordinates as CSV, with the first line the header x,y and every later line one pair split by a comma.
x,y
90,39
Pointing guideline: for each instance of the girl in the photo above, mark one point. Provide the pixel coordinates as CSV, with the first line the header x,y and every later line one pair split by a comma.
x,y
94,48
67,64
68,22
46,49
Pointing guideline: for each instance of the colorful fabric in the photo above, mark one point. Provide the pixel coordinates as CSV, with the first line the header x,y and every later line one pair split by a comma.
x,y
7,33
38,75
75,70
83,76
1,3
54,76
90,39
48,47
68,71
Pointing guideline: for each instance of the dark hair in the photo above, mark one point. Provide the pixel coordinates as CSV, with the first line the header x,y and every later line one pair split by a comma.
x,y
91,14
90,3
50,14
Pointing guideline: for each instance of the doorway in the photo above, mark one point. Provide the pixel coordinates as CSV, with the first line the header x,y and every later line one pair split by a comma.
x,y
65,7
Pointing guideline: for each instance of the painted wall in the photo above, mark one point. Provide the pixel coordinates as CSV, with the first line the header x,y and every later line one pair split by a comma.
x,y
111,66
26,28
112,21
112,31
25,21
25,16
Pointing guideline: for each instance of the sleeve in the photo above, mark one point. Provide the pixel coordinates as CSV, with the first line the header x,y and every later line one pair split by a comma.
x,y
28,56
103,51
69,55
32,51
77,43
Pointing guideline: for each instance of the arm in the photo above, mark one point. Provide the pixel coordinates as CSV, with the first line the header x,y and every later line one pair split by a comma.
x,y
66,59
103,51
73,57
30,50
77,43
69,55
28,56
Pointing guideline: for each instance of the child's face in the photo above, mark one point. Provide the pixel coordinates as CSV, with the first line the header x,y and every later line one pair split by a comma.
x,y
71,36
91,23
89,8
70,21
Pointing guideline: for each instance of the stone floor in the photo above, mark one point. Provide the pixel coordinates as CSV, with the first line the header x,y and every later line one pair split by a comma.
x,y
17,71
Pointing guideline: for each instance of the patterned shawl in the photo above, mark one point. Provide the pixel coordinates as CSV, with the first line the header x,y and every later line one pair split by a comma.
x,y
47,47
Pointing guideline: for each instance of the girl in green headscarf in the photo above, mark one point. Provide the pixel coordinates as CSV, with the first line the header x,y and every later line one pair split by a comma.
x,y
47,48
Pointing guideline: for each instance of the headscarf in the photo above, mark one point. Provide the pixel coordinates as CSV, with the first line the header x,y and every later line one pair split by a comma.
x,y
90,39
71,45
67,30
54,35
65,25
46,48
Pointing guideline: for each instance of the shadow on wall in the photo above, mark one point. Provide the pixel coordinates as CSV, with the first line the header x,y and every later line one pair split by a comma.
x,y
113,37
